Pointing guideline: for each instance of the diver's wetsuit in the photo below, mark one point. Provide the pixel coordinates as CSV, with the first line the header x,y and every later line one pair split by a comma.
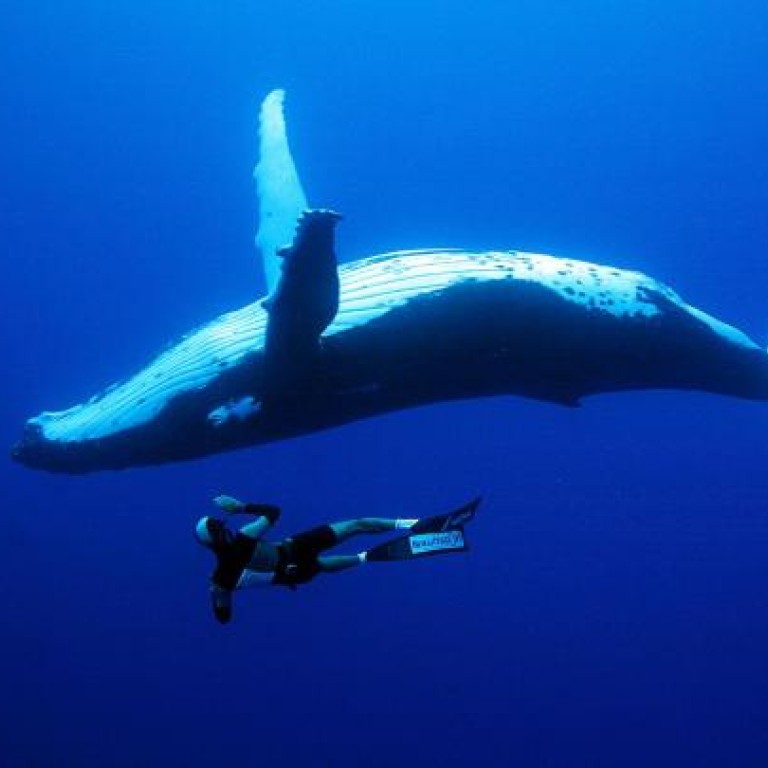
x,y
243,561
297,556
233,555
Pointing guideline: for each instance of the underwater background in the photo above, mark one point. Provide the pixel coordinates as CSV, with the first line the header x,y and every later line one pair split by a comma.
x,y
613,610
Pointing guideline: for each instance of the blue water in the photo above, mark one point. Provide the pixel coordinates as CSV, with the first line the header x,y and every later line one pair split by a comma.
x,y
613,610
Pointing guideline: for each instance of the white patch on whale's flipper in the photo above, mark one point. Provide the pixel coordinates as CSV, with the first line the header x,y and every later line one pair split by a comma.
x,y
280,195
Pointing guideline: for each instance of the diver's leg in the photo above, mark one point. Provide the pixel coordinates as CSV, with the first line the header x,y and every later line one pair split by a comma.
x,y
345,530
362,525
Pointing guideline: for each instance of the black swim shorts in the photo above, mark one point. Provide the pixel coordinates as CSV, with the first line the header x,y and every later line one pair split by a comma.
x,y
297,555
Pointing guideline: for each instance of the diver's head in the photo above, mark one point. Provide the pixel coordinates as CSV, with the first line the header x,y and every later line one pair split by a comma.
x,y
210,532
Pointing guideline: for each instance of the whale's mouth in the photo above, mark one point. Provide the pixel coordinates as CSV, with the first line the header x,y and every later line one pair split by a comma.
x,y
30,438
76,457
180,434
121,450
35,450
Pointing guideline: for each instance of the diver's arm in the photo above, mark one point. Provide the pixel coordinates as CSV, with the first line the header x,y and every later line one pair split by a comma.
x,y
266,517
266,514
221,602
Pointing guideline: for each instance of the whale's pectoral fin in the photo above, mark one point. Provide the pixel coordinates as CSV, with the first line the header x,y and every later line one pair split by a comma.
x,y
303,304
281,198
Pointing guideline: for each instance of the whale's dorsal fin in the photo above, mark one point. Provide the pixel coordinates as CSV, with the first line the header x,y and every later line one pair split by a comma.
x,y
280,195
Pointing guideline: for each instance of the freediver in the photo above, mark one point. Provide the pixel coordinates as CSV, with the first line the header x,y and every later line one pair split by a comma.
x,y
245,559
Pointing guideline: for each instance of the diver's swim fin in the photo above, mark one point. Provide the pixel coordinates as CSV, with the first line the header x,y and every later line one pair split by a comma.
x,y
440,535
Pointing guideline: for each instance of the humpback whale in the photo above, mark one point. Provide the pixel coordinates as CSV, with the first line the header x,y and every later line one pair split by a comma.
x,y
330,344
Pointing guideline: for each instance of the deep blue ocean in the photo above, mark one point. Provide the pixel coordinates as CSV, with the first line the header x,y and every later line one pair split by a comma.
x,y
613,609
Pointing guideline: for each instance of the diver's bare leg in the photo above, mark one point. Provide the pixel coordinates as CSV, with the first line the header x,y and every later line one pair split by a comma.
x,y
347,528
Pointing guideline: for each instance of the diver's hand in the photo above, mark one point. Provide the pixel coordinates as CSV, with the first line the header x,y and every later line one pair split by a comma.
x,y
221,602
229,504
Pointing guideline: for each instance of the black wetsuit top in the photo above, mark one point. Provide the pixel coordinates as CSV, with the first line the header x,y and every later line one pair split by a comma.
x,y
233,554
296,557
